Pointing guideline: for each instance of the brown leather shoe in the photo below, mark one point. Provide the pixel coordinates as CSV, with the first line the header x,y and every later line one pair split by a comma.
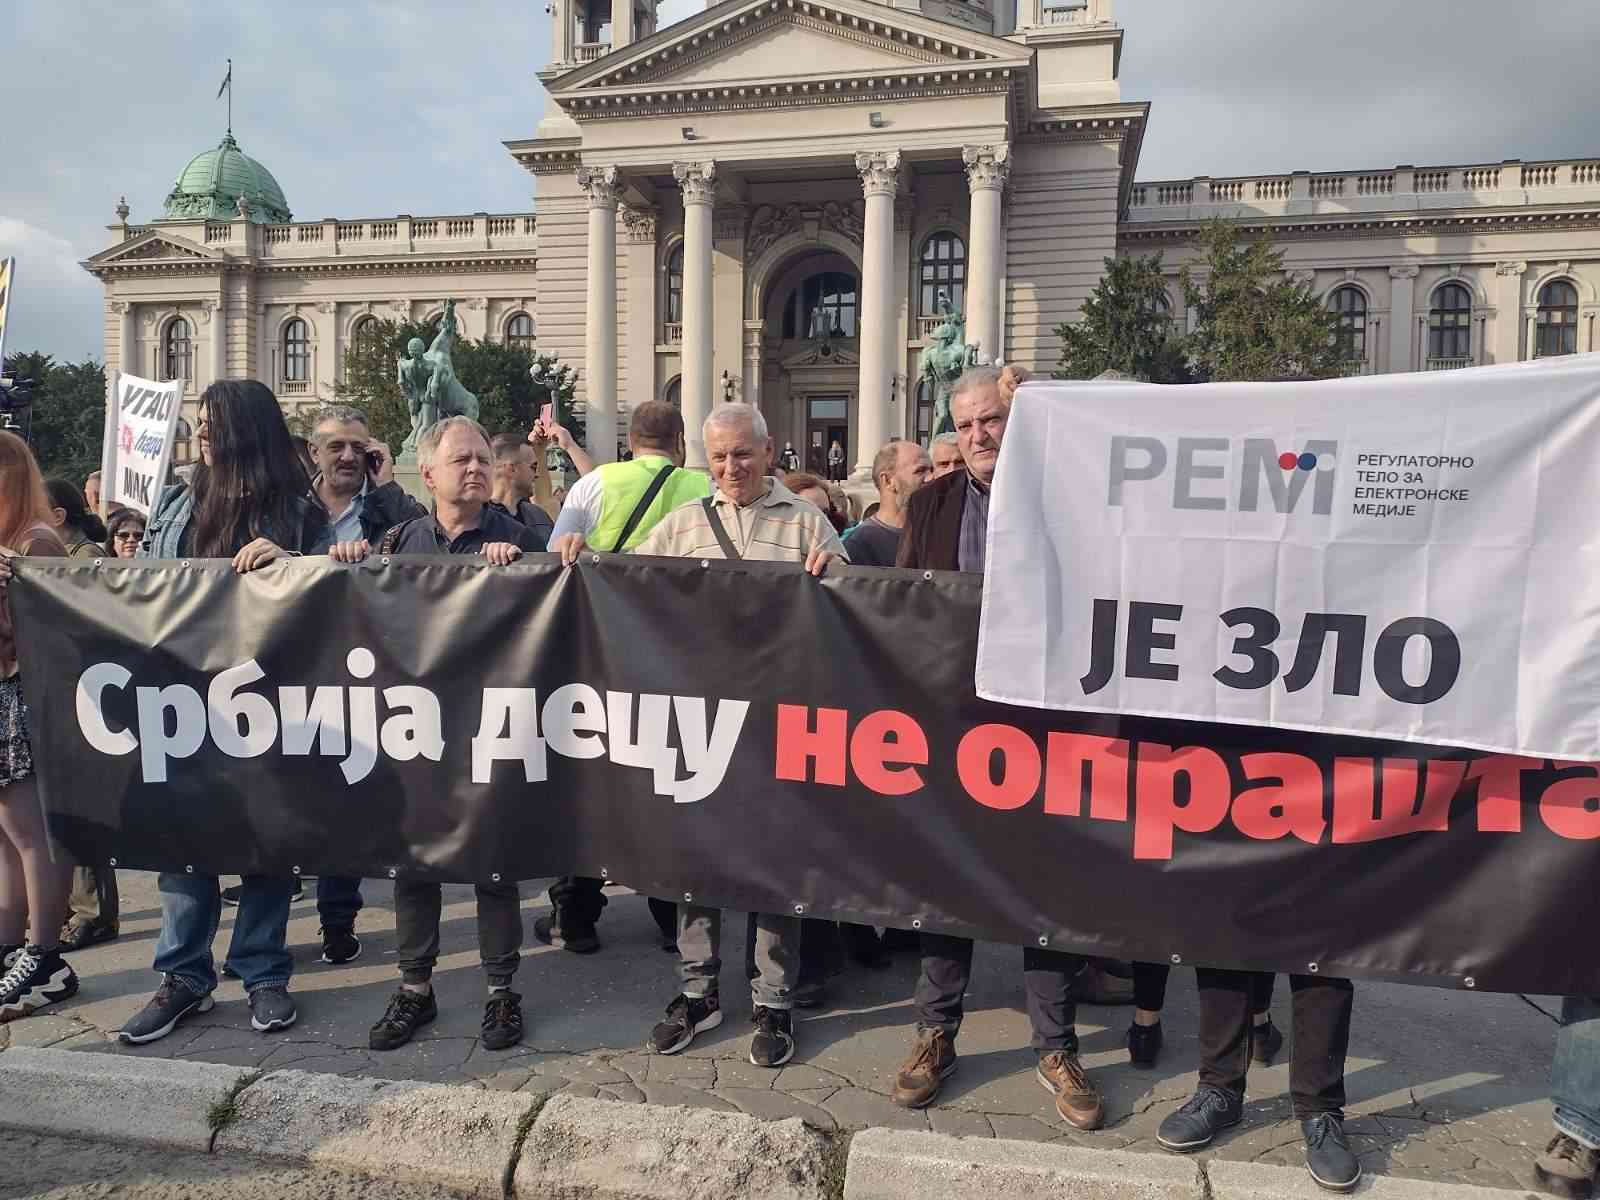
x,y
924,1073
1077,1099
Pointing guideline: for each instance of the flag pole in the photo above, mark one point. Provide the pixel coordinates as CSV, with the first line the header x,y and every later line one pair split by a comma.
x,y
230,97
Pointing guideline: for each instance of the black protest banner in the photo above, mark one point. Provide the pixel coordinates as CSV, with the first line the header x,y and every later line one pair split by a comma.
x,y
759,739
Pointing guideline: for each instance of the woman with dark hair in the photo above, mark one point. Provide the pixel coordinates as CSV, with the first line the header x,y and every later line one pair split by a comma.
x,y
249,501
82,531
33,880
125,530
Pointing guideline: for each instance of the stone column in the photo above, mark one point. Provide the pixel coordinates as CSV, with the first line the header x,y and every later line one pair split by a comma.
x,y
987,170
638,340
604,186
1508,311
127,351
697,388
219,339
753,361
880,178
1402,290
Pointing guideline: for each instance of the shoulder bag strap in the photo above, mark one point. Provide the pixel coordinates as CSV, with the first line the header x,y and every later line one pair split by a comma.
x,y
639,509
729,551
386,546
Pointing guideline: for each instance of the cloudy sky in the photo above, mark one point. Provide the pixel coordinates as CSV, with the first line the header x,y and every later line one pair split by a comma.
x,y
364,109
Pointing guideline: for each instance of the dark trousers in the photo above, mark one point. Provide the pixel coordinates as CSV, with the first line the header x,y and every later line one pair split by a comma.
x,y
95,898
417,906
575,902
1150,988
338,901
1046,977
1321,1031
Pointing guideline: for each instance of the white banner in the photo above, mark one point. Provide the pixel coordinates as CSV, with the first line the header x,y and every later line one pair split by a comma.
x,y
1401,556
140,422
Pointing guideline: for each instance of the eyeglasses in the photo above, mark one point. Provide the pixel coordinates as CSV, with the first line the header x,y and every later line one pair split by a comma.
x,y
128,535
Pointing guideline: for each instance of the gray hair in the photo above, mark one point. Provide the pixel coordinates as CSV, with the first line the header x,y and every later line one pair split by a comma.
x,y
727,416
428,443
974,378
342,414
945,439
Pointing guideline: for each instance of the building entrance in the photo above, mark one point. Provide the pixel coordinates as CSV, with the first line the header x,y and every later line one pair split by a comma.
x,y
827,422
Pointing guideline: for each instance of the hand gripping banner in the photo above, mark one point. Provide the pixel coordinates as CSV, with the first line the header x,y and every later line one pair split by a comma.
x,y
755,738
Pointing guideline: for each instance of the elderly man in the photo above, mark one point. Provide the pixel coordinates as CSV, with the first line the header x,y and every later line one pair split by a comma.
x,y
899,469
750,516
456,463
946,455
519,471
91,491
945,526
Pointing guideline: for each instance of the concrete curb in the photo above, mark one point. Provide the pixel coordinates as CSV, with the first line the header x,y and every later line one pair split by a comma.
x,y
150,1101
1258,1181
464,1138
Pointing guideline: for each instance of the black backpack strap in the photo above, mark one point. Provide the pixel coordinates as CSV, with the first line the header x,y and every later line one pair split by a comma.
x,y
387,545
650,493
729,551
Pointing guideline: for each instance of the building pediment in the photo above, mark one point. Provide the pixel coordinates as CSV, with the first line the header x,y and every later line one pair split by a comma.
x,y
757,42
823,354
152,247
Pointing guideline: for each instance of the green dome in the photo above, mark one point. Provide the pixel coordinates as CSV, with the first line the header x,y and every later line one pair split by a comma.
x,y
212,183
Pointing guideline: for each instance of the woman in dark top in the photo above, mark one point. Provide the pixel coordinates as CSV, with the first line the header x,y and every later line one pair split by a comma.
x,y
249,502
82,531
125,530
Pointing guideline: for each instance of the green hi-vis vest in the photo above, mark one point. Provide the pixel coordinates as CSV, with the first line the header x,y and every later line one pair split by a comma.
x,y
622,484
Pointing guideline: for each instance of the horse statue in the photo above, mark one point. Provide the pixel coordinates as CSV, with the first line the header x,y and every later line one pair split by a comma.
x,y
942,361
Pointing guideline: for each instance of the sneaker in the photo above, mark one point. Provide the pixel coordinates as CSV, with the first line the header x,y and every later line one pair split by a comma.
x,y
79,935
1333,1165
1265,1042
1144,1044
1078,1101
583,941
1567,1167
686,1016
172,1002
933,1061
271,1008
8,955
34,979
340,945
502,1020
773,1042
230,895
407,1012
1204,1115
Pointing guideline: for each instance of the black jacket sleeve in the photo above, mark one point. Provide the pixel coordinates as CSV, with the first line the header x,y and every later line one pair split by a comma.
x,y
386,507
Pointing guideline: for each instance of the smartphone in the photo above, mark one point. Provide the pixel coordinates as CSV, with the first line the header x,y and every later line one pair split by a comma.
x,y
547,417
374,462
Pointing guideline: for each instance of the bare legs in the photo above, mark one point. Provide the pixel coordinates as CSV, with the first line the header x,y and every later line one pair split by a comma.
x,y
33,885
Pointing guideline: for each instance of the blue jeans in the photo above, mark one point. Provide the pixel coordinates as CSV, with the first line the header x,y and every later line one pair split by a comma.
x,y
338,901
191,910
1575,1077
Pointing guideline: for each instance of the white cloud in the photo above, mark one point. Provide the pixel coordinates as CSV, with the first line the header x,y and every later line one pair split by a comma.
x,y
55,303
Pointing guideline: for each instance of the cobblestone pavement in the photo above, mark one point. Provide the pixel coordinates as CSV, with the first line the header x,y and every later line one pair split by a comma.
x,y
1442,1085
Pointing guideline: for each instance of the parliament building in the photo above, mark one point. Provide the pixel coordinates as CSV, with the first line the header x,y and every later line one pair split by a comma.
x,y
764,201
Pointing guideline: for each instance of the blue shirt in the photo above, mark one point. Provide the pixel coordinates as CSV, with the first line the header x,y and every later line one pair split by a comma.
x,y
972,548
347,525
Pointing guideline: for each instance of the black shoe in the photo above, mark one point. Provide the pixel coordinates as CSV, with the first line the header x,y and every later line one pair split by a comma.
x,y
1333,1165
80,935
1265,1042
861,943
1144,1044
1206,1113
809,994
407,1013
230,895
686,1016
340,945
773,1043
271,1009
36,978
1567,1168
172,1002
581,941
502,1020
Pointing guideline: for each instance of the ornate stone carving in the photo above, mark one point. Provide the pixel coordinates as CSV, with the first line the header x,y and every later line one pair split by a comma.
x,y
728,223
603,184
987,166
325,306
847,220
640,223
1511,268
1406,272
698,181
768,223
121,307
880,172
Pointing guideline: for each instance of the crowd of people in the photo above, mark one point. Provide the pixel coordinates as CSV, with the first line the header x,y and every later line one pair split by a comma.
x,y
256,497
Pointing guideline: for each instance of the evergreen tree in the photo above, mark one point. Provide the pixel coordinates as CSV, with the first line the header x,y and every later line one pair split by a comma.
x,y
1126,326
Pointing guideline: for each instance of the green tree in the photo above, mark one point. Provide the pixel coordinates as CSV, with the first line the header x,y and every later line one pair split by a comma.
x,y
1253,322
1126,326
66,422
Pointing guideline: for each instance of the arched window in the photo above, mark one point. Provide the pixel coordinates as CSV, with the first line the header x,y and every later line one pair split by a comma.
x,y
673,291
365,335
1349,305
674,393
1450,326
177,351
1164,307
296,351
182,443
1558,319
519,332
943,268
822,306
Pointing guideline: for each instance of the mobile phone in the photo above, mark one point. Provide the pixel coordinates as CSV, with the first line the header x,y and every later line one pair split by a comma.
x,y
547,417
374,462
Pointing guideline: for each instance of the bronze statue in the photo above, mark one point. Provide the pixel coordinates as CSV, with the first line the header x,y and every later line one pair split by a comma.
x,y
428,380
942,361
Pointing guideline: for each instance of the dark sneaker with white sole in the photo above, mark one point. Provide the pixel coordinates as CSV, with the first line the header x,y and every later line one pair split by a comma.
x,y
271,1009
407,1012
686,1016
172,1002
34,979
1204,1115
1333,1165
340,945
773,1042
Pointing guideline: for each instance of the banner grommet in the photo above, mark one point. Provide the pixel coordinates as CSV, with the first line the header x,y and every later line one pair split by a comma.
x,y
594,560
1177,960
916,922
385,560
705,564
927,575
392,872
1469,982
111,862
799,910
688,898
1311,968
1043,940
495,878
98,561
188,869
604,874
295,870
